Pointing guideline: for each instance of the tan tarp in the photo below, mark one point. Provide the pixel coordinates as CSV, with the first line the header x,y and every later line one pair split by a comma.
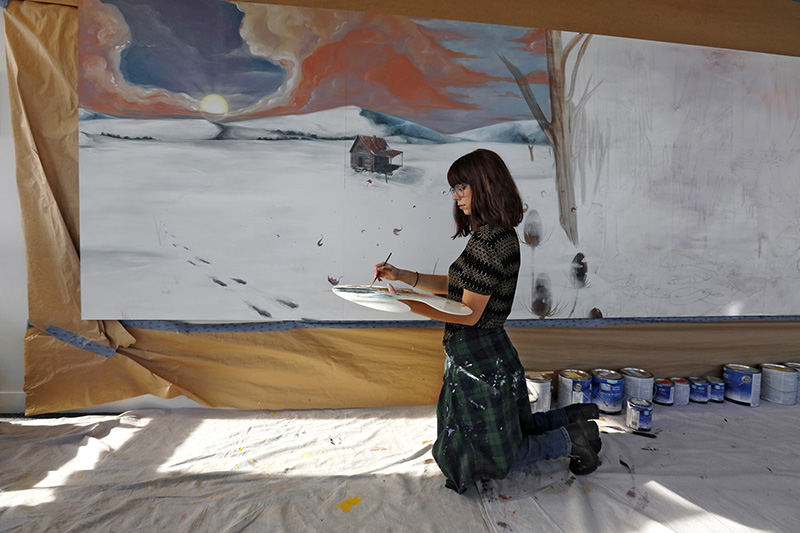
x,y
322,367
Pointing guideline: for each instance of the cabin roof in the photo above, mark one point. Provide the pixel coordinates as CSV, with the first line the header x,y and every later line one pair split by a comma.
x,y
376,145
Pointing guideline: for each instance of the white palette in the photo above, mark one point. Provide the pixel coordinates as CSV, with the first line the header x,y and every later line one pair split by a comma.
x,y
380,298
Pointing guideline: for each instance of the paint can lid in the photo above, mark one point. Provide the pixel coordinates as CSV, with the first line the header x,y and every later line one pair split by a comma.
x,y
605,373
776,367
696,379
736,367
792,364
680,381
640,403
636,372
573,373
664,382
714,379
538,377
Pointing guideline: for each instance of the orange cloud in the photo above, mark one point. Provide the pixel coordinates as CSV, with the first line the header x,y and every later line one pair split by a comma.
x,y
338,58
534,41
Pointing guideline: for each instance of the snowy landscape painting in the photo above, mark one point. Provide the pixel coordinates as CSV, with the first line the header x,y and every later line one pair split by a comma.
x,y
238,160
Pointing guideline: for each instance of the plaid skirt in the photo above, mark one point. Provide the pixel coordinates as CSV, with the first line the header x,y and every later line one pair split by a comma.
x,y
483,411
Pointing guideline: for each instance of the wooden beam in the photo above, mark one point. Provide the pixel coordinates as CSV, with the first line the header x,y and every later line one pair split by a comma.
x,y
771,26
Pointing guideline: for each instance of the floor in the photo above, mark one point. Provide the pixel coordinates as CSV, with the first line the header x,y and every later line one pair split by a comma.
x,y
719,467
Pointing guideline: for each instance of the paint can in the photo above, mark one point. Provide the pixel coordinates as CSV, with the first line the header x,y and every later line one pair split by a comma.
x,y
638,383
663,391
698,390
716,389
574,386
539,391
639,414
607,388
682,391
742,384
779,384
796,366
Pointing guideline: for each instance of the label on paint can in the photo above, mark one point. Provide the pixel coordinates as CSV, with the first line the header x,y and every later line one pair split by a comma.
x,y
698,390
539,392
778,384
742,384
682,390
639,415
716,389
574,386
664,391
607,388
796,366
638,383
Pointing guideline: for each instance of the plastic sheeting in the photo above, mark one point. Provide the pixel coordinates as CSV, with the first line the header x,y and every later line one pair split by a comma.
x,y
321,367
715,467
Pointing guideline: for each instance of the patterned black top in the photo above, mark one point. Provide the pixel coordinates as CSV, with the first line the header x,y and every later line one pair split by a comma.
x,y
488,265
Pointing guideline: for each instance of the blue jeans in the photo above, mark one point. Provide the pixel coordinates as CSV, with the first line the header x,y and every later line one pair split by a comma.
x,y
548,439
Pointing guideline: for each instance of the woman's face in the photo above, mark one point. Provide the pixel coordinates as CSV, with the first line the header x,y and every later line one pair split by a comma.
x,y
462,194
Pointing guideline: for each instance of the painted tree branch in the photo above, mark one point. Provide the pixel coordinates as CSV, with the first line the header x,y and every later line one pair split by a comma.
x,y
530,98
563,112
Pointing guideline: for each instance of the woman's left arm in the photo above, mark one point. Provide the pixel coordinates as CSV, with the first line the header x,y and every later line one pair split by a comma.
x,y
473,300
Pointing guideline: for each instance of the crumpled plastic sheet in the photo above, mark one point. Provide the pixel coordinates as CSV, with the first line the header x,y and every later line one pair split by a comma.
x,y
712,467
226,470
715,467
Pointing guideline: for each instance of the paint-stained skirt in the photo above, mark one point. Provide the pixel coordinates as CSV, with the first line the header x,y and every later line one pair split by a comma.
x,y
483,410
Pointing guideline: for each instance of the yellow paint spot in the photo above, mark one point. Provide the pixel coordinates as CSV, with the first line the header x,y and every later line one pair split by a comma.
x,y
426,441
348,504
273,414
307,455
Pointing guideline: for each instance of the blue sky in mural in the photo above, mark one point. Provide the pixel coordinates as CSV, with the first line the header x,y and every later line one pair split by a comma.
x,y
193,46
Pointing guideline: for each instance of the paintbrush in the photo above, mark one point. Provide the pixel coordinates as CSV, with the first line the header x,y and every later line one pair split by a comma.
x,y
625,430
384,264
604,426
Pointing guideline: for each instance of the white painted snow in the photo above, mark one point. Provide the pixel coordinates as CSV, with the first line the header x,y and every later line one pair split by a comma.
x,y
686,164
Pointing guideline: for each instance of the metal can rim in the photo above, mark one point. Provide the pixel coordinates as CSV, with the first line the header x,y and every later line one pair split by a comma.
x,y
582,375
636,372
538,378
776,366
744,369
640,402
677,380
606,373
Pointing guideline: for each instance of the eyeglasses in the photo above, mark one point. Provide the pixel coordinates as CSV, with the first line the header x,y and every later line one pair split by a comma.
x,y
459,189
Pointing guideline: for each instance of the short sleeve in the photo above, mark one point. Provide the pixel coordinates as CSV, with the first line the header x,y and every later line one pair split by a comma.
x,y
482,266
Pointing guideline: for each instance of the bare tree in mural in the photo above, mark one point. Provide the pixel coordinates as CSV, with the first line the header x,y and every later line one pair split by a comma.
x,y
564,113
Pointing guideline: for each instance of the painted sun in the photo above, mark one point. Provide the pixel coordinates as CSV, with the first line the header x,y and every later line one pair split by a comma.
x,y
215,104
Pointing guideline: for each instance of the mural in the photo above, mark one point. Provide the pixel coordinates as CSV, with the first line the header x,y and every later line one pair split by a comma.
x,y
237,160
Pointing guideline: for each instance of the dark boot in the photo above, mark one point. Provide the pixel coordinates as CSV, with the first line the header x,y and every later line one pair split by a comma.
x,y
578,412
583,458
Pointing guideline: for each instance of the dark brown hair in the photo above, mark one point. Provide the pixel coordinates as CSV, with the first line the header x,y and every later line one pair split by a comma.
x,y
495,198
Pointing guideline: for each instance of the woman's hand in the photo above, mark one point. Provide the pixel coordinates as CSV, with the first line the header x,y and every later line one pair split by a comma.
x,y
385,271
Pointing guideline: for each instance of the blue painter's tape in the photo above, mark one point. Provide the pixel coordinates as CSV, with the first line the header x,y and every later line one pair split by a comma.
x,y
287,325
80,342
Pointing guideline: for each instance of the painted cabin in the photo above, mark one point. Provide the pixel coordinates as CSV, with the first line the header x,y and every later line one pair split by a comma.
x,y
373,154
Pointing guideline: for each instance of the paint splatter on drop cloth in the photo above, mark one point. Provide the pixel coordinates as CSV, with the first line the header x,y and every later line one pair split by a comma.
x,y
347,505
